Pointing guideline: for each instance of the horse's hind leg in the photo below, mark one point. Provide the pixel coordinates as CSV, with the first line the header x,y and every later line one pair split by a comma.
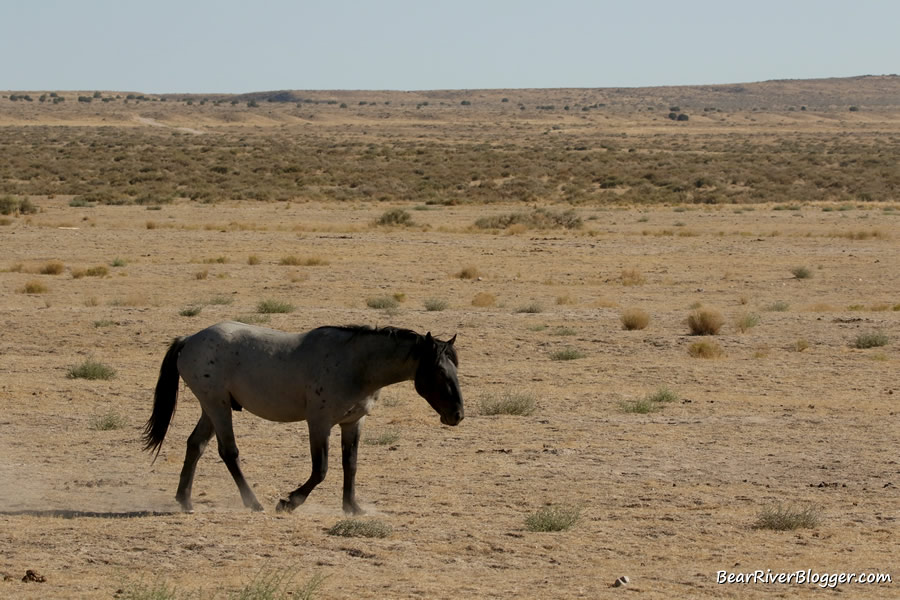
x,y
196,444
228,450
318,445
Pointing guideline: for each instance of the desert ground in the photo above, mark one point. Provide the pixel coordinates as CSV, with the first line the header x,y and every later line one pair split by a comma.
x,y
791,412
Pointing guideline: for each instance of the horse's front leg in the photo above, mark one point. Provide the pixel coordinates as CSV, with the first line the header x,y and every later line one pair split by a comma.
x,y
349,446
318,446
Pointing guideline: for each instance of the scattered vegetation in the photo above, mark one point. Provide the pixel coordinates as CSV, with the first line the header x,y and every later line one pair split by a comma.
x,y
92,370
530,308
778,306
651,402
539,218
54,267
34,287
270,306
508,403
635,318
705,349
386,438
705,321
567,354
552,518
873,339
369,528
190,311
108,421
308,261
396,217
436,304
785,518
746,321
382,302
484,299
469,272
801,273
632,277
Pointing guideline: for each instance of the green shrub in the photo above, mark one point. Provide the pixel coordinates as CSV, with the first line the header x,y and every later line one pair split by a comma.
x,y
382,302
108,422
92,370
801,273
396,216
781,518
567,354
360,528
552,518
873,339
435,304
274,306
508,403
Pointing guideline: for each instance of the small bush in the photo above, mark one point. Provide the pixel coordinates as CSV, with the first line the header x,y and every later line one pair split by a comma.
x,y
253,260
508,403
567,354
532,308
563,331
539,218
641,406
662,395
191,311
870,340
382,302
386,438
484,299
779,306
435,304
635,318
275,585
469,272
781,518
34,287
632,277
108,422
118,262
309,261
801,273
396,216
553,518
746,322
266,307
705,349
91,369
360,528
705,321
104,323
54,267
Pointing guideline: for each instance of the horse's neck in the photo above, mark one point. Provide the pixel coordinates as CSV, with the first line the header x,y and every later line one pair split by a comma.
x,y
387,360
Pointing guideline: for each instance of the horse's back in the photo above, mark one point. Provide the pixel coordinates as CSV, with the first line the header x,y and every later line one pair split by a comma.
x,y
258,368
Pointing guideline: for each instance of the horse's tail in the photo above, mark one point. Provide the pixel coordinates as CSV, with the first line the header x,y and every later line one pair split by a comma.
x,y
164,399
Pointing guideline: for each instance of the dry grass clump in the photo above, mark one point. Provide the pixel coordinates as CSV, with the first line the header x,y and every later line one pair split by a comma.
x,y
385,438
382,302
54,267
396,217
91,370
651,402
552,518
253,259
360,528
308,261
469,272
705,349
705,321
98,271
508,403
782,518
633,277
34,287
530,308
746,322
267,307
801,273
484,299
872,339
568,353
634,319
539,218
108,422
435,304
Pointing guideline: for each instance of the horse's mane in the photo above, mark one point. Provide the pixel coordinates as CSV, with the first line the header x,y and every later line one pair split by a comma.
x,y
389,331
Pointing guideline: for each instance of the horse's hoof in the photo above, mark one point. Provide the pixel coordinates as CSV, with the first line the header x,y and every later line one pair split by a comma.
x,y
284,506
353,509
257,507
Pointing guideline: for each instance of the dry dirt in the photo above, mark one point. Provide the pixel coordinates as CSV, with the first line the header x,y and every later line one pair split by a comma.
x,y
667,498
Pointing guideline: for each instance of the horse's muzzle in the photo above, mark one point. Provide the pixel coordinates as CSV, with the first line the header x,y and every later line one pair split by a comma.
x,y
452,419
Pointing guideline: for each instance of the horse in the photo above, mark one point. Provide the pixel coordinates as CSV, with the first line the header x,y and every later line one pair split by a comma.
x,y
327,376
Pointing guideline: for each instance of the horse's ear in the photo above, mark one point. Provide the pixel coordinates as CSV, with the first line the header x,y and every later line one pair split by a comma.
x,y
451,340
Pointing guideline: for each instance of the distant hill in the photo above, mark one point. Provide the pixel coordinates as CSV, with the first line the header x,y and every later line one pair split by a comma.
x,y
866,91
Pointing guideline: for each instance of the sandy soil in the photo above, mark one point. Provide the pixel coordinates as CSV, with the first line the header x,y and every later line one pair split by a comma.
x,y
667,498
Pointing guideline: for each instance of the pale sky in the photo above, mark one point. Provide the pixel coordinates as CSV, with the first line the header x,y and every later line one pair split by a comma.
x,y
234,46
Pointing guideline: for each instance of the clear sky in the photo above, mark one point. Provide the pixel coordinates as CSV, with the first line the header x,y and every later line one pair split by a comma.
x,y
233,46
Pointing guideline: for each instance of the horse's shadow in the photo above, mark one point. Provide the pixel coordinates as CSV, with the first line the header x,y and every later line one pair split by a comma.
x,y
89,514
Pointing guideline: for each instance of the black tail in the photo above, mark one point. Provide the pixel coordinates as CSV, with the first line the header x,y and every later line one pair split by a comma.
x,y
164,399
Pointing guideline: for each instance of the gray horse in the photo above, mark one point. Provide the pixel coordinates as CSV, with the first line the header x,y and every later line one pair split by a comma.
x,y
328,376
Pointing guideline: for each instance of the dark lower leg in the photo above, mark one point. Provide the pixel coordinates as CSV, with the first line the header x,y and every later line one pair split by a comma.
x,y
196,444
349,447
319,451
229,453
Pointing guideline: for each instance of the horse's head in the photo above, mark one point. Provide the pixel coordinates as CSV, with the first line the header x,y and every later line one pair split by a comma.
x,y
436,378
